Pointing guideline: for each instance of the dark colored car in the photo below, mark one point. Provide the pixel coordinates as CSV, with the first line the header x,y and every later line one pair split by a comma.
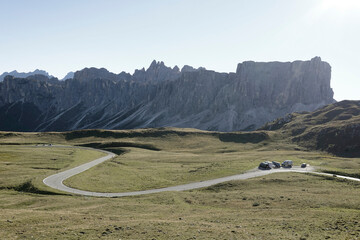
x,y
276,164
264,166
303,165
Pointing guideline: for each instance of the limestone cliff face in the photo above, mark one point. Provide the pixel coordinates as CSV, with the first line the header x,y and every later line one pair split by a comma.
x,y
255,94
284,84
161,96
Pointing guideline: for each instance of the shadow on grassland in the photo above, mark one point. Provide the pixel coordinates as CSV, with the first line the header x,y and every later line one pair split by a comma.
x,y
118,145
249,137
28,187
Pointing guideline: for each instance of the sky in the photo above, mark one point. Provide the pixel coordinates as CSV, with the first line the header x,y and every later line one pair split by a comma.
x,y
124,35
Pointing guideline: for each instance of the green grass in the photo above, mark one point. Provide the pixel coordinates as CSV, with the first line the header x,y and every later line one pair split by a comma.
x,y
179,156
278,206
21,164
141,169
289,206
196,159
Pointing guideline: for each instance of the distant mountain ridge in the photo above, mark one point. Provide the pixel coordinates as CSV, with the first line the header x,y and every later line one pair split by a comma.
x,y
68,76
23,74
161,96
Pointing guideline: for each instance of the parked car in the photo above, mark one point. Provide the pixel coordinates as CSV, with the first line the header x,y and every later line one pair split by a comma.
x,y
303,165
287,164
276,164
265,166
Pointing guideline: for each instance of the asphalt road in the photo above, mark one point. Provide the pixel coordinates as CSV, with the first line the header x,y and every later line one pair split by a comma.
x,y
56,181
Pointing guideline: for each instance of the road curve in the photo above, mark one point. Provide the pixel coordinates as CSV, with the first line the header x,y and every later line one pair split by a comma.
x,y
56,181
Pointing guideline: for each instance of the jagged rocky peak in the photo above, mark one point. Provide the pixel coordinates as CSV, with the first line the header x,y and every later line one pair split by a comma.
x,y
157,72
156,64
176,68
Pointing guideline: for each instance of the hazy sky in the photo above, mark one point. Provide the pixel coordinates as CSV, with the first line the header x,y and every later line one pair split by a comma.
x,y
120,35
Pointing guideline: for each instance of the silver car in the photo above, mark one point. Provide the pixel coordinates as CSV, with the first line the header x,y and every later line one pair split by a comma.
x,y
287,164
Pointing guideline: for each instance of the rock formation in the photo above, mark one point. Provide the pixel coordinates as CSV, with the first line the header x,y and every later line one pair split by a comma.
x,y
161,96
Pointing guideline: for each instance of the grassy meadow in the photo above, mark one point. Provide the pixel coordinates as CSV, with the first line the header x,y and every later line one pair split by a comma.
x,y
278,206
24,166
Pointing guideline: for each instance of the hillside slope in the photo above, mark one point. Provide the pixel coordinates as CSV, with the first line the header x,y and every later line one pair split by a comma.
x,y
334,128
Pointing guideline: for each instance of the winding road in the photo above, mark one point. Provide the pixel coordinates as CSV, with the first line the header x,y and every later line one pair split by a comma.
x,y
56,181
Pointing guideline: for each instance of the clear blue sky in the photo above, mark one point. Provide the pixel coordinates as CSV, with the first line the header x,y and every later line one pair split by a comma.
x,y
123,35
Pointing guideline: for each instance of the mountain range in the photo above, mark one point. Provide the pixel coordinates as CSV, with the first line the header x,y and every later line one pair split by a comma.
x,y
256,93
